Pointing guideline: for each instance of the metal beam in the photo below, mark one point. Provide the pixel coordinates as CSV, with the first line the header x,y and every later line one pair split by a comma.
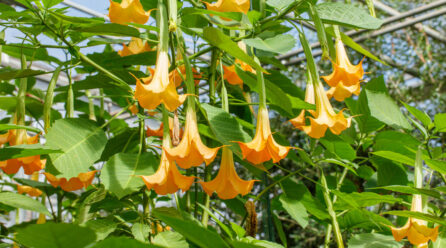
x,y
389,20
386,30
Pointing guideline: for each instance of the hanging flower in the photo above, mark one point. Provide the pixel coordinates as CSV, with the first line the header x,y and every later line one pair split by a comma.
x,y
343,71
340,92
83,180
263,147
191,151
324,117
229,6
177,78
136,46
23,189
416,230
128,11
230,74
159,132
167,179
227,184
151,92
30,164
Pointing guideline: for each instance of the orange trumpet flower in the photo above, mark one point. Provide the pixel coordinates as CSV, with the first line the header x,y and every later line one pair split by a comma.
x,y
231,75
167,179
128,11
340,92
177,78
83,180
343,71
135,46
30,164
191,151
263,147
229,6
324,117
152,91
23,189
159,132
416,230
227,184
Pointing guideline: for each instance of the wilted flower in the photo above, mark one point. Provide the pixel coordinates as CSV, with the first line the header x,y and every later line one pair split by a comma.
x,y
152,91
135,46
324,117
24,189
128,11
416,230
263,147
191,151
227,184
346,78
167,179
83,180
229,6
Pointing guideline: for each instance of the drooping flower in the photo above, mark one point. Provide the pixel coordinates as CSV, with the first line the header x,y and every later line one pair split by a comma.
x,y
167,179
263,147
135,46
229,6
324,117
191,151
343,71
177,78
24,189
230,74
30,164
416,230
159,132
83,180
340,92
227,184
152,91
128,11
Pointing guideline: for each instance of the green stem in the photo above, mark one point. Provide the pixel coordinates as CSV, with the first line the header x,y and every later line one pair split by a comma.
x,y
331,212
261,83
49,99
371,7
115,116
213,70
21,96
101,111
91,114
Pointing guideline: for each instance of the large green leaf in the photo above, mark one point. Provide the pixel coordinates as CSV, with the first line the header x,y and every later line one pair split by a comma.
x,y
412,190
217,38
122,241
279,4
377,97
110,29
373,240
8,75
4,127
225,127
278,44
420,115
82,142
440,122
55,235
364,199
397,157
21,151
347,15
170,239
295,208
362,218
50,3
438,165
120,173
102,227
189,228
22,201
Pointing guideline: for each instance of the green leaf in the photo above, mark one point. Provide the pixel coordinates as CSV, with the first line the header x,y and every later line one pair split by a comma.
x,y
362,218
279,228
418,215
83,212
4,127
412,190
236,16
440,122
420,115
217,38
110,29
55,235
441,239
278,44
22,201
389,172
50,3
438,165
170,239
182,223
102,227
295,208
397,157
373,240
140,231
363,199
377,97
279,4
225,127
120,173
82,142
338,147
21,151
348,15
122,241
8,75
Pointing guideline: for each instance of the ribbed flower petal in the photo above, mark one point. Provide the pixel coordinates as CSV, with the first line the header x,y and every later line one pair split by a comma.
x,y
128,11
340,92
136,46
229,6
83,180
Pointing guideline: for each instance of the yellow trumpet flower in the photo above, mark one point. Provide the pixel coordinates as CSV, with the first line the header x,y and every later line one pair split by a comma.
x,y
128,11
340,92
135,46
83,180
229,6
227,184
